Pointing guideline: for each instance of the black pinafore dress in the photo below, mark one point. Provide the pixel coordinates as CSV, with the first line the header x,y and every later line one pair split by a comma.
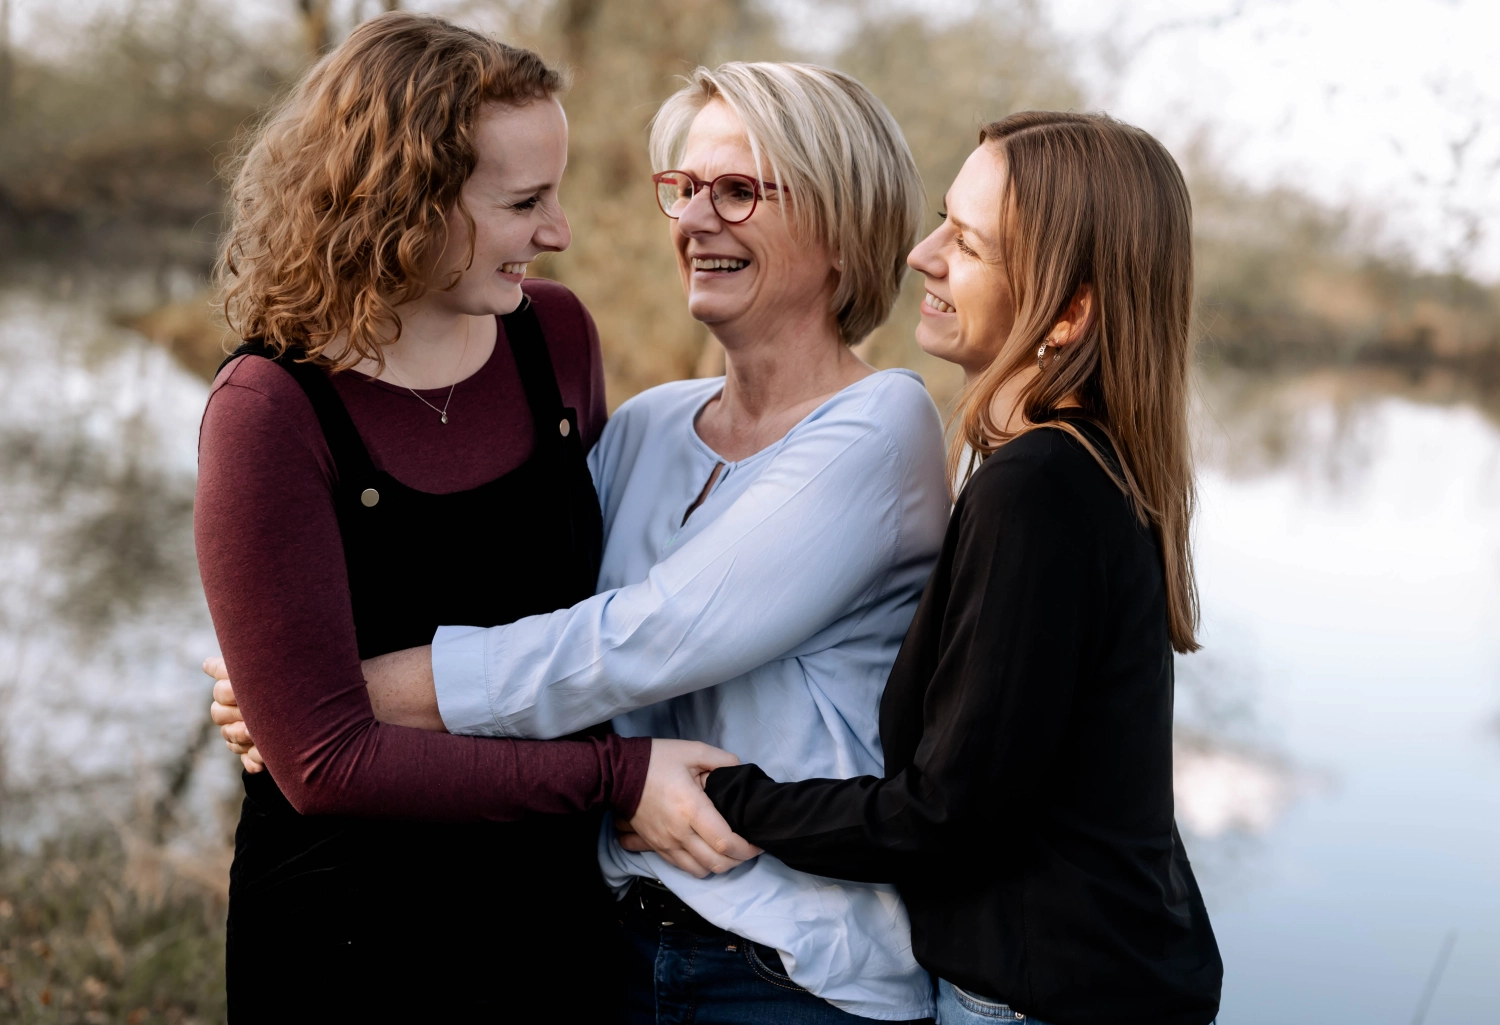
x,y
341,919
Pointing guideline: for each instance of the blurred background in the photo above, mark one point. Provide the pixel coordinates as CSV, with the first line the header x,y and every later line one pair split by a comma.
x,y
1338,762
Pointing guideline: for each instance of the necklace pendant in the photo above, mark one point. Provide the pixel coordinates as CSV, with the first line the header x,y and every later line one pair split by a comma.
x,y
445,418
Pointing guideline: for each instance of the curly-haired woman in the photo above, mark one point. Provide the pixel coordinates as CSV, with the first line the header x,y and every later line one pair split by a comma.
x,y
768,534
401,443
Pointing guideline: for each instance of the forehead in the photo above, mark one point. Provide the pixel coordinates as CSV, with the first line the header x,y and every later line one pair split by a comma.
x,y
716,141
980,186
512,140
977,194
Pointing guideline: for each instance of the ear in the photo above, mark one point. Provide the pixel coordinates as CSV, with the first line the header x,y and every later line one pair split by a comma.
x,y
1075,319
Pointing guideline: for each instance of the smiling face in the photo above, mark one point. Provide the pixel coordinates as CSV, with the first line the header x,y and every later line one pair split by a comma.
x,y
969,308
512,197
741,279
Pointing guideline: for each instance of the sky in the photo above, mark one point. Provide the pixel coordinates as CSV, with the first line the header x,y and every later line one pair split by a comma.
x,y
1391,107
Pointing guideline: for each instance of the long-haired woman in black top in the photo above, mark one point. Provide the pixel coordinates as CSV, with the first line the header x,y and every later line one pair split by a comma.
x,y
1026,810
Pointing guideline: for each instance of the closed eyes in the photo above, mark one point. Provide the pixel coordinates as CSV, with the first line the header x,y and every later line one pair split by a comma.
x,y
958,239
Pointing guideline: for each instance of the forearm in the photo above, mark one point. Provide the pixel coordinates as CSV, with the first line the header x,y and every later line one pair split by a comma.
x,y
273,573
401,689
392,772
830,827
813,537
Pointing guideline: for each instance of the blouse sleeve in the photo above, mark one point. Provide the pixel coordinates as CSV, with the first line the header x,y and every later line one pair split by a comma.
x,y
997,641
272,564
817,532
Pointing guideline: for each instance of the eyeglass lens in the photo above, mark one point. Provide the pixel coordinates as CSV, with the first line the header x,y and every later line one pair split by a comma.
x,y
733,196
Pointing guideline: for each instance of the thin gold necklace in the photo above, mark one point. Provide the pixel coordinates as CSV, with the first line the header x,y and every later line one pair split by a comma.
x,y
442,413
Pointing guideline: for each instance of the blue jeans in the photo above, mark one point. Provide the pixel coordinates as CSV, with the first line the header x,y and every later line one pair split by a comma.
x,y
960,1007
679,976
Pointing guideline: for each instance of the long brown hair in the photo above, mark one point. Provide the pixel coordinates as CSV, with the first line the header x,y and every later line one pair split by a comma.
x,y
340,200
1092,201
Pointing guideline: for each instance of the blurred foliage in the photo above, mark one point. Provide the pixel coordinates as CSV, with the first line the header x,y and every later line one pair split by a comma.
x,y
125,131
109,159
1283,282
130,129
106,927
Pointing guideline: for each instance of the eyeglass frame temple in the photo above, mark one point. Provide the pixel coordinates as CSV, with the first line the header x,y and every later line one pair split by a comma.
x,y
656,179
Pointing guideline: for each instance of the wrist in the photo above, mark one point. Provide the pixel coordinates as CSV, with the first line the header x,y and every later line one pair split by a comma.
x,y
630,763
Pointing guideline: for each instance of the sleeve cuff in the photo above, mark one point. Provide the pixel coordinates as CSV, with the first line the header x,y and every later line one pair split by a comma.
x,y
631,762
730,791
458,676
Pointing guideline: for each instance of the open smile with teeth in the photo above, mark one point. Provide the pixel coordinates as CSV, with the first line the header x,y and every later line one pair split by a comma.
x,y
719,263
937,304
513,268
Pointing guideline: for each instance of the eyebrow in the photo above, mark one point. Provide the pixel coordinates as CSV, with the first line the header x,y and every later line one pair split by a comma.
x,y
527,190
969,228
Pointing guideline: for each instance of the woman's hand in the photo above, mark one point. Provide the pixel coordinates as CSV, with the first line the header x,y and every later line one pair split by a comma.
x,y
675,817
226,715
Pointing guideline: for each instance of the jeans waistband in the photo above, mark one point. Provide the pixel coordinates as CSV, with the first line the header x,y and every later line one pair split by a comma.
x,y
649,900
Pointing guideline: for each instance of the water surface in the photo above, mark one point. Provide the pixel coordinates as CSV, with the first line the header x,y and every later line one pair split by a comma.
x,y
1349,558
1338,767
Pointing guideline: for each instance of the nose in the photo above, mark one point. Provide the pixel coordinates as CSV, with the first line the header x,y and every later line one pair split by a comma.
x,y
699,217
553,235
927,257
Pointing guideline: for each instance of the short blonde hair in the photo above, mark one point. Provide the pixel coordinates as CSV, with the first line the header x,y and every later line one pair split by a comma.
x,y
849,175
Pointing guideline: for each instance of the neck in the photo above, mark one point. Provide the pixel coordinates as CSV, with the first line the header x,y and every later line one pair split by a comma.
x,y
773,379
438,347
768,370
1006,406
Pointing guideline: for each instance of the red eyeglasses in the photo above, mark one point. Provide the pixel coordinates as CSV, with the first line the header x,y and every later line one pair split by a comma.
x,y
734,196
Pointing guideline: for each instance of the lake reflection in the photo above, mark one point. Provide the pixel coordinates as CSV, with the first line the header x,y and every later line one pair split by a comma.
x,y
1349,559
1338,753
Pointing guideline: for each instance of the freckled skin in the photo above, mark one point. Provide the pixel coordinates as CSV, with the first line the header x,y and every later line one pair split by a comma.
x,y
521,154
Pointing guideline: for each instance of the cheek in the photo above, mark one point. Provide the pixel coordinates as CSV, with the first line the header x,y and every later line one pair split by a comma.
x,y
788,267
981,311
499,236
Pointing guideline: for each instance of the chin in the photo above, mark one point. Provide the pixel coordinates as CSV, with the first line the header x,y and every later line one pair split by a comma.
x,y
943,345
709,309
504,300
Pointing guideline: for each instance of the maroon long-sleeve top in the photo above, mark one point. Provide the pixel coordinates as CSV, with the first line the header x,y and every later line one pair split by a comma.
x,y
273,569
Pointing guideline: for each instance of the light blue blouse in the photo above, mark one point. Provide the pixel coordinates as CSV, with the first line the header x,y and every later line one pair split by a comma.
x,y
765,625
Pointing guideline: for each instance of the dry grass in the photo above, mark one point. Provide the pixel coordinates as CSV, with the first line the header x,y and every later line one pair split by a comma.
x,y
107,926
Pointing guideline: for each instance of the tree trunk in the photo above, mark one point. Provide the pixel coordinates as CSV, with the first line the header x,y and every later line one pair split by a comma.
x,y
313,16
5,72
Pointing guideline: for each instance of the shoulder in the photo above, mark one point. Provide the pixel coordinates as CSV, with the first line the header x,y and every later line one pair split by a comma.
x,y
894,397
1045,470
573,343
891,406
669,401
647,415
256,405
563,315
258,387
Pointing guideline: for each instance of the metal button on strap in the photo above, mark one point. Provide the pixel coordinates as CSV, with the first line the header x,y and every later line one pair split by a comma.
x,y
564,428
368,497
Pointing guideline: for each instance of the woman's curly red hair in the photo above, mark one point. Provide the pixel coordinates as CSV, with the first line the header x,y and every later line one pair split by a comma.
x,y
340,201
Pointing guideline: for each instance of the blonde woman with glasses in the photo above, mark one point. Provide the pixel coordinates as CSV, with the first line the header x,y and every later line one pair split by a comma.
x,y
767,535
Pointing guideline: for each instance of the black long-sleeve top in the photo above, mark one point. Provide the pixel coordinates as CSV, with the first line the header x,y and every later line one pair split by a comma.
x,y
1026,811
